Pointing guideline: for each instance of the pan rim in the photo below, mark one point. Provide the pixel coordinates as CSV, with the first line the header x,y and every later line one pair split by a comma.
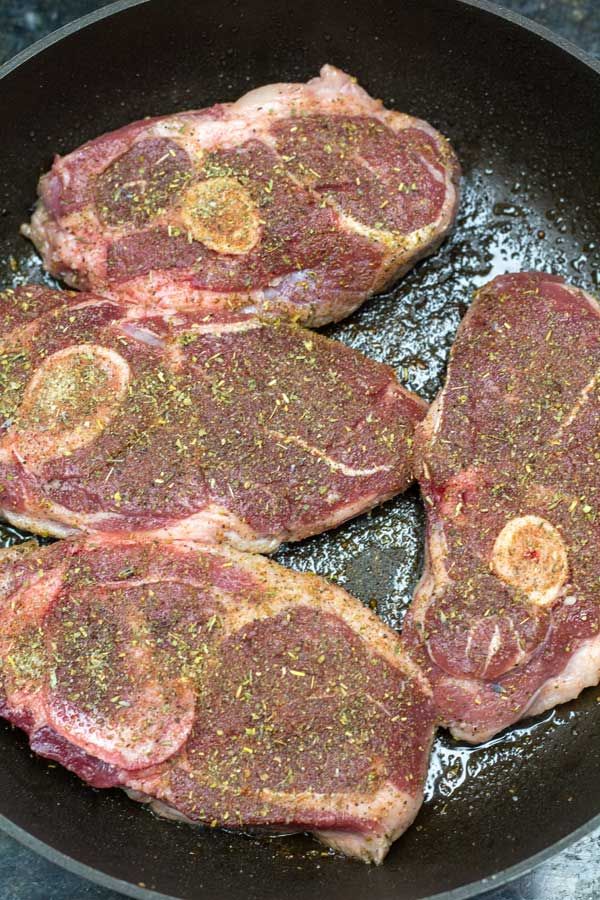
x,y
118,6
127,888
64,31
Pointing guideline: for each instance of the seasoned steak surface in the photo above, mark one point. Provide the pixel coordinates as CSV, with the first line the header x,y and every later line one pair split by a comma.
x,y
211,426
298,200
506,619
217,686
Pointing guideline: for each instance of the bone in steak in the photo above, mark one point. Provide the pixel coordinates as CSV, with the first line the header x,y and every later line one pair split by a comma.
x,y
505,620
202,427
217,686
299,200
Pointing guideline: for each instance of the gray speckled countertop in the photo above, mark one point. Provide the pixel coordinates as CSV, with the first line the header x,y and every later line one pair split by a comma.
x,y
573,874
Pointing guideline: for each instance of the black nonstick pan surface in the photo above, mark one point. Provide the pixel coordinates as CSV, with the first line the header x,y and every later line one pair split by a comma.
x,y
523,112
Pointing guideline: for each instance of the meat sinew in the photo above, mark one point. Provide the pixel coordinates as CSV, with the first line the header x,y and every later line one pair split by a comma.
x,y
203,427
298,200
219,687
506,618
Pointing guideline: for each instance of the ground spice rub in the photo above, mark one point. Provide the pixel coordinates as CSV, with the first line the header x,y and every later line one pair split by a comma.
x,y
214,426
217,686
298,200
506,619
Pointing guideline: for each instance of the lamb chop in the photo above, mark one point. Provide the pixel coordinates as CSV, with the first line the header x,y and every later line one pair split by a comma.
x,y
217,686
213,426
506,618
298,200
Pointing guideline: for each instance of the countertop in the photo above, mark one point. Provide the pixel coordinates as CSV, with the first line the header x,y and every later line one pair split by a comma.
x,y
573,874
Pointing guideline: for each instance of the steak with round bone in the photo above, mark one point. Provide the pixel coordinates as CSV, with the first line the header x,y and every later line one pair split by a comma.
x,y
219,687
202,427
299,200
506,619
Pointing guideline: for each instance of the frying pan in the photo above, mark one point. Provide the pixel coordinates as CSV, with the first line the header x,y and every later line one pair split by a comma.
x,y
521,108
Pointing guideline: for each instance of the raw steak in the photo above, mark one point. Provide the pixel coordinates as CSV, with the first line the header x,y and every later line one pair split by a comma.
x,y
506,617
298,200
217,686
203,427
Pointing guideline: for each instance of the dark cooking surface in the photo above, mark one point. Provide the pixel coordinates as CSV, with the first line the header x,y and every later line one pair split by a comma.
x,y
507,219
